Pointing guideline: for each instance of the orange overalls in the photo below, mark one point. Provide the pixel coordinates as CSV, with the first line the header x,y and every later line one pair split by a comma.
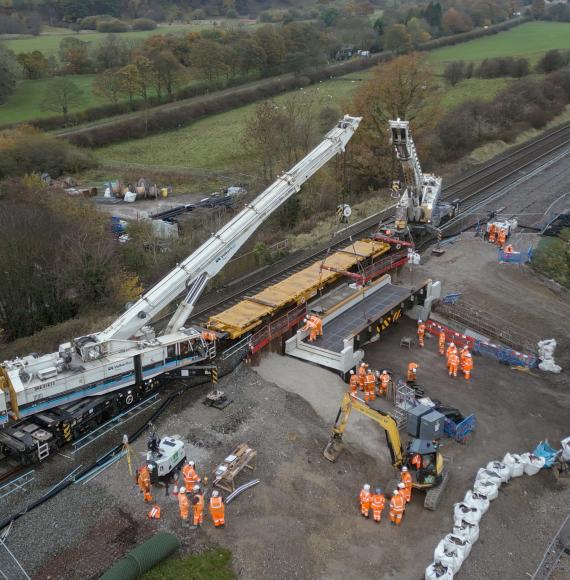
x,y
312,328
362,375
450,350
467,367
453,364
502,237
417,461
353,384
407,481
442,342
492,233
217,511
421,333
198,508
143,480
190,476
377,502
384,382
509,249
184,506
370,387
412,371
318,324
397,507
365,500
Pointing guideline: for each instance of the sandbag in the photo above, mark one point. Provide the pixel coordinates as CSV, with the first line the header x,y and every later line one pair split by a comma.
x,y
532,463
478,500
468,513
451,558
130,197
438,571
487,474
464,529
462,545
500,468
487,487
514,463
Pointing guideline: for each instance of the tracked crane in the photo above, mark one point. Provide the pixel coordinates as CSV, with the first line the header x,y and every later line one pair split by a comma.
x,y
419,203
126,357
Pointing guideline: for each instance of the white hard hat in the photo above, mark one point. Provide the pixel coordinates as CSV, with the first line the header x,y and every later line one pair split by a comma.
x,y
182,490
366,487
191,463
351,372
215,493
401,486
150,466
395,492
419,320
196,488
452,343
404,468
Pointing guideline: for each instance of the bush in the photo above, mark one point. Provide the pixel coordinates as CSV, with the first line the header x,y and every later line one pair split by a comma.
x,y
231,13
551,61
112,25
144,24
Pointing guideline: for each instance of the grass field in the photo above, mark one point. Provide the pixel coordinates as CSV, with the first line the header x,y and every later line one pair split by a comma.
x,y
529,40
210,565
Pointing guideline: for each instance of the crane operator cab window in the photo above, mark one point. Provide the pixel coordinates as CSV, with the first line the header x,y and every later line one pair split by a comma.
x,y
170,352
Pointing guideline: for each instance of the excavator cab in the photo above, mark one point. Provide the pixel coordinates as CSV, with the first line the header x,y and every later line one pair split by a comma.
x,y
424,462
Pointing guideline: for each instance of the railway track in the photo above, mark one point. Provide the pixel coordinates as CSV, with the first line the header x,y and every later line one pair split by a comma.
x,y
472,189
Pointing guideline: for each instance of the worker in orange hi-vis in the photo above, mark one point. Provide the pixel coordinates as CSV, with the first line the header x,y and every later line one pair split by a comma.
x,y
501,237
453,364
384,382
397,507
412,371
362,375
377,503
464,352
318,324
365,500
143,481
198,506
451,349
442,342
353,383
421,333
407,481
467,366
183,505
416,461
311,327
509,249
217,509
191,478
492,233
370,387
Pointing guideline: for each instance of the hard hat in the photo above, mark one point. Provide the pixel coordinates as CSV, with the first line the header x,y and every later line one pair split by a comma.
x,y
150,467
378,491
196,488
404,468
419,320
468,354
215,493
182,490
351,372
366,487
401,486
452,343
395,492
191,463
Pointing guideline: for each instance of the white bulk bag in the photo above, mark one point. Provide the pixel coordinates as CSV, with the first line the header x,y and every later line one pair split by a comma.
x,y
478,500
464,529
566,449
462,545
489,475
468,513
438,571
514,463
451,558
130,197
487,487
500,468
532,463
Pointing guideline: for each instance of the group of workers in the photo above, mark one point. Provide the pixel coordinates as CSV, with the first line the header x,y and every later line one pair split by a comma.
x,y
314,325
375,502
371,383
191,493
456,358
498,235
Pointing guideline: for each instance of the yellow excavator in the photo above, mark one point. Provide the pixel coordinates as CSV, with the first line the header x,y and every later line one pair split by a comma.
x,y
426,464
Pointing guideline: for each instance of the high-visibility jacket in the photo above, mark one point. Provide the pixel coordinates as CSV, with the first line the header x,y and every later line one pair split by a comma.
x,y
442,338
217,510
417,461
451,349
421,329
453,360
362,375
184,505
365,498
198,508
370,381
467,363
378,502
190,476
144,478
353,383
397,503
385,380
413,368
154,513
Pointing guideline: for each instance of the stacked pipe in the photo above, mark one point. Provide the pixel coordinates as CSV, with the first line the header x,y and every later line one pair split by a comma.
x,y
455,547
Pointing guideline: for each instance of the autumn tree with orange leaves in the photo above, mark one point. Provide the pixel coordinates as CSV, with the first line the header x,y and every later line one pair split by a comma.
x,y
403,88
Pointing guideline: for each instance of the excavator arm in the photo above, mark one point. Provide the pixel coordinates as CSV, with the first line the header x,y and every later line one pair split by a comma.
x,y
351,402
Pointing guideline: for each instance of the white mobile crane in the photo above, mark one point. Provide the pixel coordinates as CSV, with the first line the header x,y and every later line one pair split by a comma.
x,y
419,204
126,358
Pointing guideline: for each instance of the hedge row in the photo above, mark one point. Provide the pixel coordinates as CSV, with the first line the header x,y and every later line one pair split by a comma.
x,y
158,121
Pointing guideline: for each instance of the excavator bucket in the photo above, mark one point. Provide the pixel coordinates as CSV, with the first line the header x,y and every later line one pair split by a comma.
x,y
333,448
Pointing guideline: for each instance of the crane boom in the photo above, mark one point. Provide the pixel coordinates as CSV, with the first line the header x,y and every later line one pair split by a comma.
x,y
195,271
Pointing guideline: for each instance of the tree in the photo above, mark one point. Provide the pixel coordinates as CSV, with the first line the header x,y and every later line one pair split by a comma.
x,y
538,9
551,61
404,88
454,72
107,85
397,39
208,59
456,22
433,15
169,74
417,30
61,95
34,64
273,45
144,77
111,52
7,73
74,55
129,80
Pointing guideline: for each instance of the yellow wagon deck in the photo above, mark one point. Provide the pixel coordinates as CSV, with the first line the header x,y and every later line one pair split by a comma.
x,y
296,289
